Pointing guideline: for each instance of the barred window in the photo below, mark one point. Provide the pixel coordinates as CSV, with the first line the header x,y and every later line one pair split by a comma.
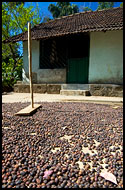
x,y
52,54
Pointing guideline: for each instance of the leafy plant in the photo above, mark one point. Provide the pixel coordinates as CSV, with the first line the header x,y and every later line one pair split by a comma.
x,y
121,5
62,9
15,17
83,8
105,5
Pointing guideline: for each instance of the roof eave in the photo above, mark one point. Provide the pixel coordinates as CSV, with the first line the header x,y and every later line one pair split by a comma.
x,y
11,40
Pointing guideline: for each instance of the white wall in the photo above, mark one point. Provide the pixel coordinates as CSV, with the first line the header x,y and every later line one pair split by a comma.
x,y
51,76
105,62
40,75
106,57
35,55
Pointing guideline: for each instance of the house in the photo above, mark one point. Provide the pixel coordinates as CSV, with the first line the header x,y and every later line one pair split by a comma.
x,y
85,48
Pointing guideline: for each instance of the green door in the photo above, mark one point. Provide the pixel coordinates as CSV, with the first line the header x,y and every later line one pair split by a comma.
x,y
78,70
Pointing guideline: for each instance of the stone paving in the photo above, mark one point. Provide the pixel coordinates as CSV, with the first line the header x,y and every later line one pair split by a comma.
x,y
25,97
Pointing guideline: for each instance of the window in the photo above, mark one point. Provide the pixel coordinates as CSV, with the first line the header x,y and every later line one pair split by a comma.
x,y
52,54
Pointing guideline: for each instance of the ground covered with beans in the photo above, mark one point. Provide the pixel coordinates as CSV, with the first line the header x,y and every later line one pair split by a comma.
x,y
75,142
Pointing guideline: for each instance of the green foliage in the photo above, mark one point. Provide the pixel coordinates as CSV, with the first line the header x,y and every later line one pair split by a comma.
x,y
19,16
105,5
10,76
15,18
121,5
46,19
62,9
85,8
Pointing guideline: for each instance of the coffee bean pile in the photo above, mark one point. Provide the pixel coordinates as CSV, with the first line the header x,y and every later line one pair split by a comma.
x,y
53,139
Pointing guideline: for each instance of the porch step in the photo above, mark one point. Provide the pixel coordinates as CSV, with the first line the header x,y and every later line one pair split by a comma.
x,y
38,88
75,92
75,87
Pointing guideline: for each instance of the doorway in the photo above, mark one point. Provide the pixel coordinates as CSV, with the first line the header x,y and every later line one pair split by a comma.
x,y
78,59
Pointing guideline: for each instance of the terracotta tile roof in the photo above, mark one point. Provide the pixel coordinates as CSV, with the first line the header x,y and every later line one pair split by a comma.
x,y
89,21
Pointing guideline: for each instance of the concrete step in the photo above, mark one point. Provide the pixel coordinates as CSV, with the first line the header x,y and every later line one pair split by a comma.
x,y
75,92
19,82
74,86
38,88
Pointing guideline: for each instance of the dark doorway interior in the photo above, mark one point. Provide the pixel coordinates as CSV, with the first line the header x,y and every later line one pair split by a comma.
x,y
78,59
70,52
78,46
